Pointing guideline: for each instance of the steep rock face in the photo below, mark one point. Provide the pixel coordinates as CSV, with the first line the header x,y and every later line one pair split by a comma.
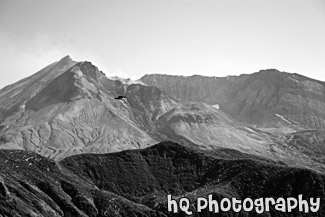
x,y
268,98
149,103
151,100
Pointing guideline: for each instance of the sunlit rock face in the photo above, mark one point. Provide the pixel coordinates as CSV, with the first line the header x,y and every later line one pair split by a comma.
x,y
268,98
69,108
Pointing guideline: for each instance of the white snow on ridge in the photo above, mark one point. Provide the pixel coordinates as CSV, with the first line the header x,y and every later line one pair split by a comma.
x,y
282,118
216,106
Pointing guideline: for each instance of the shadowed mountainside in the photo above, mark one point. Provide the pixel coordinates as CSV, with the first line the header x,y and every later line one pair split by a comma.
x,y
169,168
32,185
136,182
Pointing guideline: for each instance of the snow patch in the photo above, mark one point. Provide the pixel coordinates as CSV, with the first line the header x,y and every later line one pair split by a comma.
x,y
216,106
79,73
282,118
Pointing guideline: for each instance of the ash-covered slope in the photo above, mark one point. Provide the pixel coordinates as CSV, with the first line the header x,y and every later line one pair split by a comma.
x,y
210,128
61,113
268,98
69,108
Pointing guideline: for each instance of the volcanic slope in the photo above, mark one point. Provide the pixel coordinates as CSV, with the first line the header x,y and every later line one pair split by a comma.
x,y
267,99
286,108
69,108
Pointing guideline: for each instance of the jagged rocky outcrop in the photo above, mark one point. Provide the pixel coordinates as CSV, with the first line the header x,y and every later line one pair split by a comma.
x,y
268,98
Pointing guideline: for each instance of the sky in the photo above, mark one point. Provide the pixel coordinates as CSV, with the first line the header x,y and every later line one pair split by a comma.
x,y
131,38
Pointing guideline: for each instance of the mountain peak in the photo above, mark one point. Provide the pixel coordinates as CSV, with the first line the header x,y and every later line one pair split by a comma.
x,y
66,61
67,57
272,72
91,71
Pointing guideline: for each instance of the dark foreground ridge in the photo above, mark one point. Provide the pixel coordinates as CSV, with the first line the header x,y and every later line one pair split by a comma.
x,y
136,182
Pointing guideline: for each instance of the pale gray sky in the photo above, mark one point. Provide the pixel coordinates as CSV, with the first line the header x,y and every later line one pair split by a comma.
x,y
133,37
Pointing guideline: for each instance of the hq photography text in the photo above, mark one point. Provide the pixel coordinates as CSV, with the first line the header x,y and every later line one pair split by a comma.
x,y
259,205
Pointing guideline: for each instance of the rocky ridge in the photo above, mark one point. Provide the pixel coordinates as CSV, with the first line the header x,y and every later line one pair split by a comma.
x,y
266,99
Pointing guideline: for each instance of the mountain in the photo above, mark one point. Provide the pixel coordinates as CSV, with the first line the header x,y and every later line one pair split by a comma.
x,y
273,114
137,182
266,99
74,142
69,108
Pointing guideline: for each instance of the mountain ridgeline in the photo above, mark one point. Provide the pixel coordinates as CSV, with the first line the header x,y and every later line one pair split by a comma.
x,y
268,98
74,142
